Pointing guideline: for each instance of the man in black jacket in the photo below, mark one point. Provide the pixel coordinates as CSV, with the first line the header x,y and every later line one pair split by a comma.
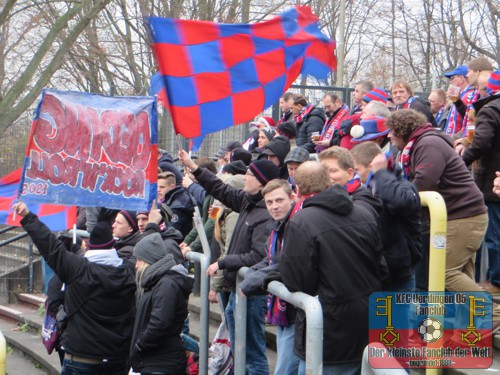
x,y
179,201
99,298
485,148
332,249
247,247
279,200
399,217
126,230
308,119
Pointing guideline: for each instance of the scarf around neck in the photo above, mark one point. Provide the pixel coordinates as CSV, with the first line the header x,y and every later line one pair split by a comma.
x,y
405,155
303,114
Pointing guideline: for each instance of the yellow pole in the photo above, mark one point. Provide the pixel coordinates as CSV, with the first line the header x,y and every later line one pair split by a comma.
x,y
3,354
437,248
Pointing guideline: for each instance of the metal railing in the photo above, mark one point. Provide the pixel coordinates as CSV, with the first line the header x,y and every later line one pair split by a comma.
x,y
204,260
437,248
18,254
3,354
310,304
314,326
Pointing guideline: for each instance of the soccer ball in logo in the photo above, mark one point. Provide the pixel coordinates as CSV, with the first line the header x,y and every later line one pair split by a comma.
x,y
430,330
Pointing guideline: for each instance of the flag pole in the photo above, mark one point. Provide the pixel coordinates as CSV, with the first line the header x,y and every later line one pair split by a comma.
x,y
179,144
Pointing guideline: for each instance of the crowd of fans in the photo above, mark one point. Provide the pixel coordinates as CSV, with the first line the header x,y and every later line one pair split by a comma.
x,y
325,200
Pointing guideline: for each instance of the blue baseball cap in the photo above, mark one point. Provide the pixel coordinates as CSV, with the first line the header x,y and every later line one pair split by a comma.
x,y
458,71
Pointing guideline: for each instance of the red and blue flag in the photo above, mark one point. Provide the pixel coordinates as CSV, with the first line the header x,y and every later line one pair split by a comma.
x,y
220,75
55,216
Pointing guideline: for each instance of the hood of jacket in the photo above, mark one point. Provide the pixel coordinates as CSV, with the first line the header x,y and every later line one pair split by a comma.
x,y
426,130
171,233
335,199
364,194
130,240
167,265
178,198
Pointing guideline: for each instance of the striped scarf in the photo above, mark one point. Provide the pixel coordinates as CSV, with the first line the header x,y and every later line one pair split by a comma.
x,y
406,105
455,121
303,113
404,158
471,99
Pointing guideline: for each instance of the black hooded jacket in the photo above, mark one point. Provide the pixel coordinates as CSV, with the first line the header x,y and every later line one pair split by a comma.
x,y
312,122
332,249
99,297
125,246
259,276
485,147
363,197
162,302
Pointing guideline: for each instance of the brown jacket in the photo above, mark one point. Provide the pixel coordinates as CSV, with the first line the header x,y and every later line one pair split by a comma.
x,y
435,166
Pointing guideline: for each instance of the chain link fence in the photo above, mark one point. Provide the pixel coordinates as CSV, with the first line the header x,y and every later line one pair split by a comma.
x,y
213,142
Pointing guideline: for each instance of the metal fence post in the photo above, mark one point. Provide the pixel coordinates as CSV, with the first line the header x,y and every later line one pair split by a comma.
x,y
204,260
314,328
3,354
30,267
204,308
437,247
240,325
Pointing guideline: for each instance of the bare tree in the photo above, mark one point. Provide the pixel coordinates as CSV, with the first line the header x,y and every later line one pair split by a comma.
x,y
25,86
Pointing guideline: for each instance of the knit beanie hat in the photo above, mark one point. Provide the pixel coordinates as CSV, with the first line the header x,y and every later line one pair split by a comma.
x,y
150,249
378,94
253,127
264,171
236,167
268,121
279,148
370,128
268,132
101,237
131,218
288,129
232,145
493,83
241,154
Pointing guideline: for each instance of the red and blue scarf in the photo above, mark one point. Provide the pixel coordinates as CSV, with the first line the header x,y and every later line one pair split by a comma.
x,y
404,158
455,122
303,114
352,185
406,105
331,124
